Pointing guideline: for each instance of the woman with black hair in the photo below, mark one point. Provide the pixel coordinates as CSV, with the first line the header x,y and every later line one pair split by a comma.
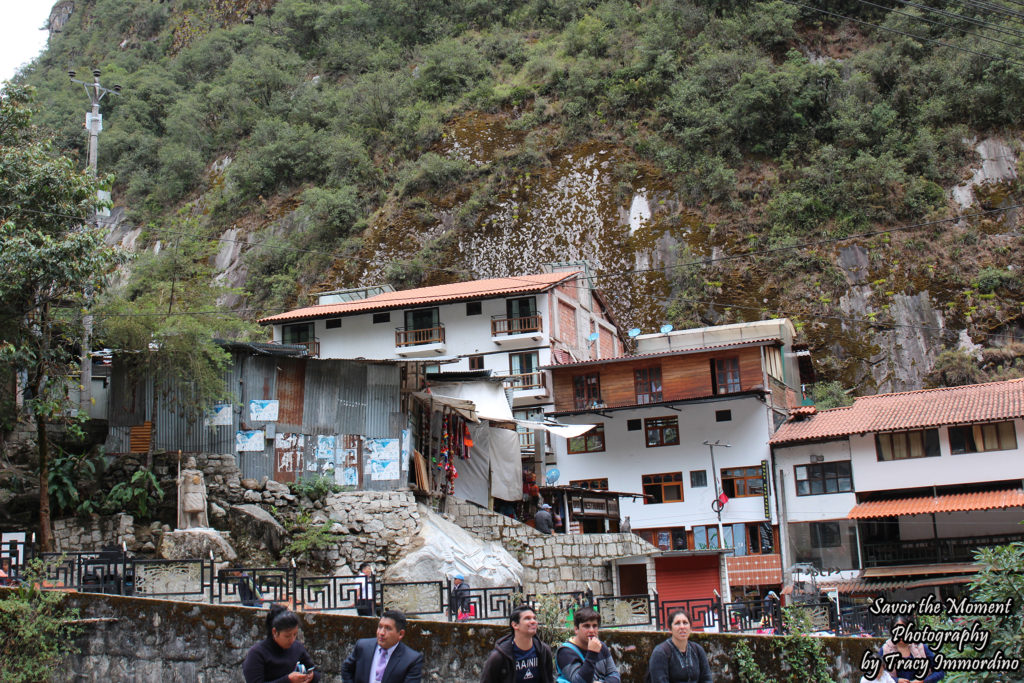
x,y
910,662
280,658
677,660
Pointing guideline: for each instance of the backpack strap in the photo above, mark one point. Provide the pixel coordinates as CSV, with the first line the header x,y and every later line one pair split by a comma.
x,y
558,669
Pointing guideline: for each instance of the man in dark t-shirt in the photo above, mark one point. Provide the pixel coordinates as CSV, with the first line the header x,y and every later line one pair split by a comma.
x,y
520,656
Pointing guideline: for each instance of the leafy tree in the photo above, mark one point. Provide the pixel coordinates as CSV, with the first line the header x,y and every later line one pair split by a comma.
x,y
167,320
51,261
830,395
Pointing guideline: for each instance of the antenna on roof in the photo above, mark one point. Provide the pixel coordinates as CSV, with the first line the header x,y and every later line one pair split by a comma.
x,y
592,338
666,328
634,332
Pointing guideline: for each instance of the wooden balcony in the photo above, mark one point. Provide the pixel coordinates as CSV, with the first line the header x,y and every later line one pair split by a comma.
x,y
504,326
522,382
426,335
312,347
930,551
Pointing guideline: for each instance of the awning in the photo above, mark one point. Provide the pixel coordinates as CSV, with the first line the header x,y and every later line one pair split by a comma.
x,y
921,569
564,431
466,409
924,505
860,586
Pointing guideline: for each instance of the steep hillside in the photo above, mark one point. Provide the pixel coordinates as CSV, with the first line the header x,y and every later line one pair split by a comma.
x,y
715,161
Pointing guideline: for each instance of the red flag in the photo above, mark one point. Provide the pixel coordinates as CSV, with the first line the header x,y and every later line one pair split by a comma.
x,y
723,499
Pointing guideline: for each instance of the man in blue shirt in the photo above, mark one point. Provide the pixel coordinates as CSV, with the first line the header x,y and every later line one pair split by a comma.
x,y
520,657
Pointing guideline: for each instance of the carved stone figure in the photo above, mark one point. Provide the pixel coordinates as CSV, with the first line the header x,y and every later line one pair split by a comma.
x,y
191,497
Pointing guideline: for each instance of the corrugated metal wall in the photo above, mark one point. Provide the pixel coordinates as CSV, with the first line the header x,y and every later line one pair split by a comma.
x,y
316,397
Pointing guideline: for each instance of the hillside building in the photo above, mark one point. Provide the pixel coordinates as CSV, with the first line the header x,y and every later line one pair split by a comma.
x,y
893,494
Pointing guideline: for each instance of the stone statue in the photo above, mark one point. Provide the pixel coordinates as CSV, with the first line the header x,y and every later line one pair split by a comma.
x,y
191,497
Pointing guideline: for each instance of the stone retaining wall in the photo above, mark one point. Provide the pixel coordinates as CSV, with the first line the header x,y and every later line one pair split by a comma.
x,y
75,535
553,562
157,641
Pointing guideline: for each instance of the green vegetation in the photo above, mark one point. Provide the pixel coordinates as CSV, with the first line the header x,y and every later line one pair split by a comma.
x,y
40,628
138,497
799,655
321,131
315,488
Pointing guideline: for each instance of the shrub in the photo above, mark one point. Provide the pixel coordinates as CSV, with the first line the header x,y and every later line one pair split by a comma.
x,y
432,172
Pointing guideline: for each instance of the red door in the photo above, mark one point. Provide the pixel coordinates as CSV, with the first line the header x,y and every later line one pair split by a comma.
x,y
688,582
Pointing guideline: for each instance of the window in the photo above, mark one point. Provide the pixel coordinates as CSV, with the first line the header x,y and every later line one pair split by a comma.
x,y
740,482
422,319
592,484
333,323
921,443
297,334
662,431
648,385
723,416
633,425
725,375
523,369
825,535
705,537
384,317
825,477
476,362
673,538
663,488
995,436
591,442
522,314
698,478
587,391
474,308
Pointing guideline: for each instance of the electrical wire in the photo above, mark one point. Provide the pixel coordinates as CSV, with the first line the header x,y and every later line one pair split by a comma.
x,y
1015,46
925,39
958,17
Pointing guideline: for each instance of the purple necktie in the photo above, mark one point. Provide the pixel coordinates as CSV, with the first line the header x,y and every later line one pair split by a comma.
x,y
378,675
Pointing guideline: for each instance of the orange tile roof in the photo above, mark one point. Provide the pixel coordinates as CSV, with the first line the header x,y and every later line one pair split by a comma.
x,y
923,505
457,291
764,341
908,410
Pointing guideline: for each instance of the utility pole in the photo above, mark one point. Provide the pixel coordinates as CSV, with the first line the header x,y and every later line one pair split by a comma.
x,y
93,124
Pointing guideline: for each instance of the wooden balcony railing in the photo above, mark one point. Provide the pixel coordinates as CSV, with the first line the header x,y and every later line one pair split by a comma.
x,y
526,439
312,347
502,324
527,380
426,335
929,551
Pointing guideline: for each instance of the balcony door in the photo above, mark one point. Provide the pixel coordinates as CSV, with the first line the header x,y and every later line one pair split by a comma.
x,y
297,334
524,369
422,319
521,314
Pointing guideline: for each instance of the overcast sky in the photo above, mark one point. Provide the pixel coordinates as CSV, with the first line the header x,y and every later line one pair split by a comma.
x,y
21,40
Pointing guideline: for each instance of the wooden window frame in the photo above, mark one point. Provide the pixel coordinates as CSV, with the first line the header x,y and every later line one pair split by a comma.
x,y
658,426
725,375
592,441
741,478
383,317
892,446
659,480
1003,435
823,473
647,385
592,484
476,362
586,390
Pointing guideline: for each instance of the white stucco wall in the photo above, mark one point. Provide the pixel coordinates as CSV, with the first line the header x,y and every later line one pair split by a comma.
x,y
626,459
871,475
818,507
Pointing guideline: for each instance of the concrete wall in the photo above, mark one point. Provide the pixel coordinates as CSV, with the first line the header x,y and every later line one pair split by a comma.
x,y
819,507
553,563
159,641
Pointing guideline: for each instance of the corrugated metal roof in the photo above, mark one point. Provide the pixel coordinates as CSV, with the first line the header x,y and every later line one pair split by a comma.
x,y
925,505
681,352
421,296
908,410
921,569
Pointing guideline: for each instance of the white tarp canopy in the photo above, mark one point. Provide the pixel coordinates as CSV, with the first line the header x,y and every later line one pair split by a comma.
x,y
488,397
466,409
564,431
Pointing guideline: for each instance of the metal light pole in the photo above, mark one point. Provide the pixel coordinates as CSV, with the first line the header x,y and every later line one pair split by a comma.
x,y
93,124
714,472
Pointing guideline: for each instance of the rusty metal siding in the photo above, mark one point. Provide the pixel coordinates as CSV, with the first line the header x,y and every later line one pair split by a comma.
x,y
328,397
382,399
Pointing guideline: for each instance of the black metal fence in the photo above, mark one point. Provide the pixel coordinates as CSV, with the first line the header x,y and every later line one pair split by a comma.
x,y
118,573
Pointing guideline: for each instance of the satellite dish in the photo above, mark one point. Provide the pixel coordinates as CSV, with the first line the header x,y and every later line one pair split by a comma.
x,y
552,476
665,329
634,332
593,336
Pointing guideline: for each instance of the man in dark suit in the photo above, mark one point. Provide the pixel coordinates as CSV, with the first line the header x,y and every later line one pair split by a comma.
x,y
384,659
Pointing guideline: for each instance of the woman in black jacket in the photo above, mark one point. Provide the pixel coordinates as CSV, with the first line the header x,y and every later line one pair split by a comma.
x,y
280,658
677,660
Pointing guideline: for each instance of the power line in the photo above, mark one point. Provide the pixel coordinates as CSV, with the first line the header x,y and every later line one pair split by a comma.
x,y
926,39
959,17
942,24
